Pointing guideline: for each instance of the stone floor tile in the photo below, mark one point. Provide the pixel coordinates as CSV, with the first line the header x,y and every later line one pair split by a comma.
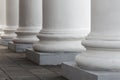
x,y
26,78
14,66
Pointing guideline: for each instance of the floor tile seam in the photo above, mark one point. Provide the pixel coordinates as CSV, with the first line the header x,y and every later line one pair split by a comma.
x,y
25,69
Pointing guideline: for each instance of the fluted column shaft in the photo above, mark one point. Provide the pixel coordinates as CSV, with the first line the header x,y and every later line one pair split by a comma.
x,y
2,15
64,26
12,11
30,21
103,43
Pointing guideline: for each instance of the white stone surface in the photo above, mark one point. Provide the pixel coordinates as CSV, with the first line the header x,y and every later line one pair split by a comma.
x,y
1,29
30,21
42,58
72,72
103,43
9,32
18,47
12,9
65,24
2,15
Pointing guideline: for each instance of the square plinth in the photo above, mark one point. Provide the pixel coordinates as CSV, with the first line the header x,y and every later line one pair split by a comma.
x,y
72,72
18,47
42,58
5,41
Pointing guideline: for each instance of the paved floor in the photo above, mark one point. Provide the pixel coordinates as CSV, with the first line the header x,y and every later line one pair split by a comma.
x,y
14,66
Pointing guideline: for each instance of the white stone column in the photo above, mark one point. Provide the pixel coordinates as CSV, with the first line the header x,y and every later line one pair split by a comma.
x,y
101,61
2,15
30,22
12,9
65,24
103,43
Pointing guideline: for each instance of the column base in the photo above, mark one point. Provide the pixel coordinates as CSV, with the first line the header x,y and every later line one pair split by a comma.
x,y
5,42
72,72
42,58
18,47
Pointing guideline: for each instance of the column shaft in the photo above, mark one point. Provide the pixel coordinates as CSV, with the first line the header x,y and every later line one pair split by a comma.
x,y
12,9
30,21
2,15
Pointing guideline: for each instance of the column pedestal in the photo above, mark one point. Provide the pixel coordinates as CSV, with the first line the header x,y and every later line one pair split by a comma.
x,y
24,40
18,47
5,42
42,58
9,35
73,72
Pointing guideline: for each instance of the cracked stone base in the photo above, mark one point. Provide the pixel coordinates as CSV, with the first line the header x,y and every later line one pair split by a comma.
x,y
42,58
5,41
18,47
72,72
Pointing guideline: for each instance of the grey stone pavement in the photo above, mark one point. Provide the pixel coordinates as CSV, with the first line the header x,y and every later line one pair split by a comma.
x,y
14,66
